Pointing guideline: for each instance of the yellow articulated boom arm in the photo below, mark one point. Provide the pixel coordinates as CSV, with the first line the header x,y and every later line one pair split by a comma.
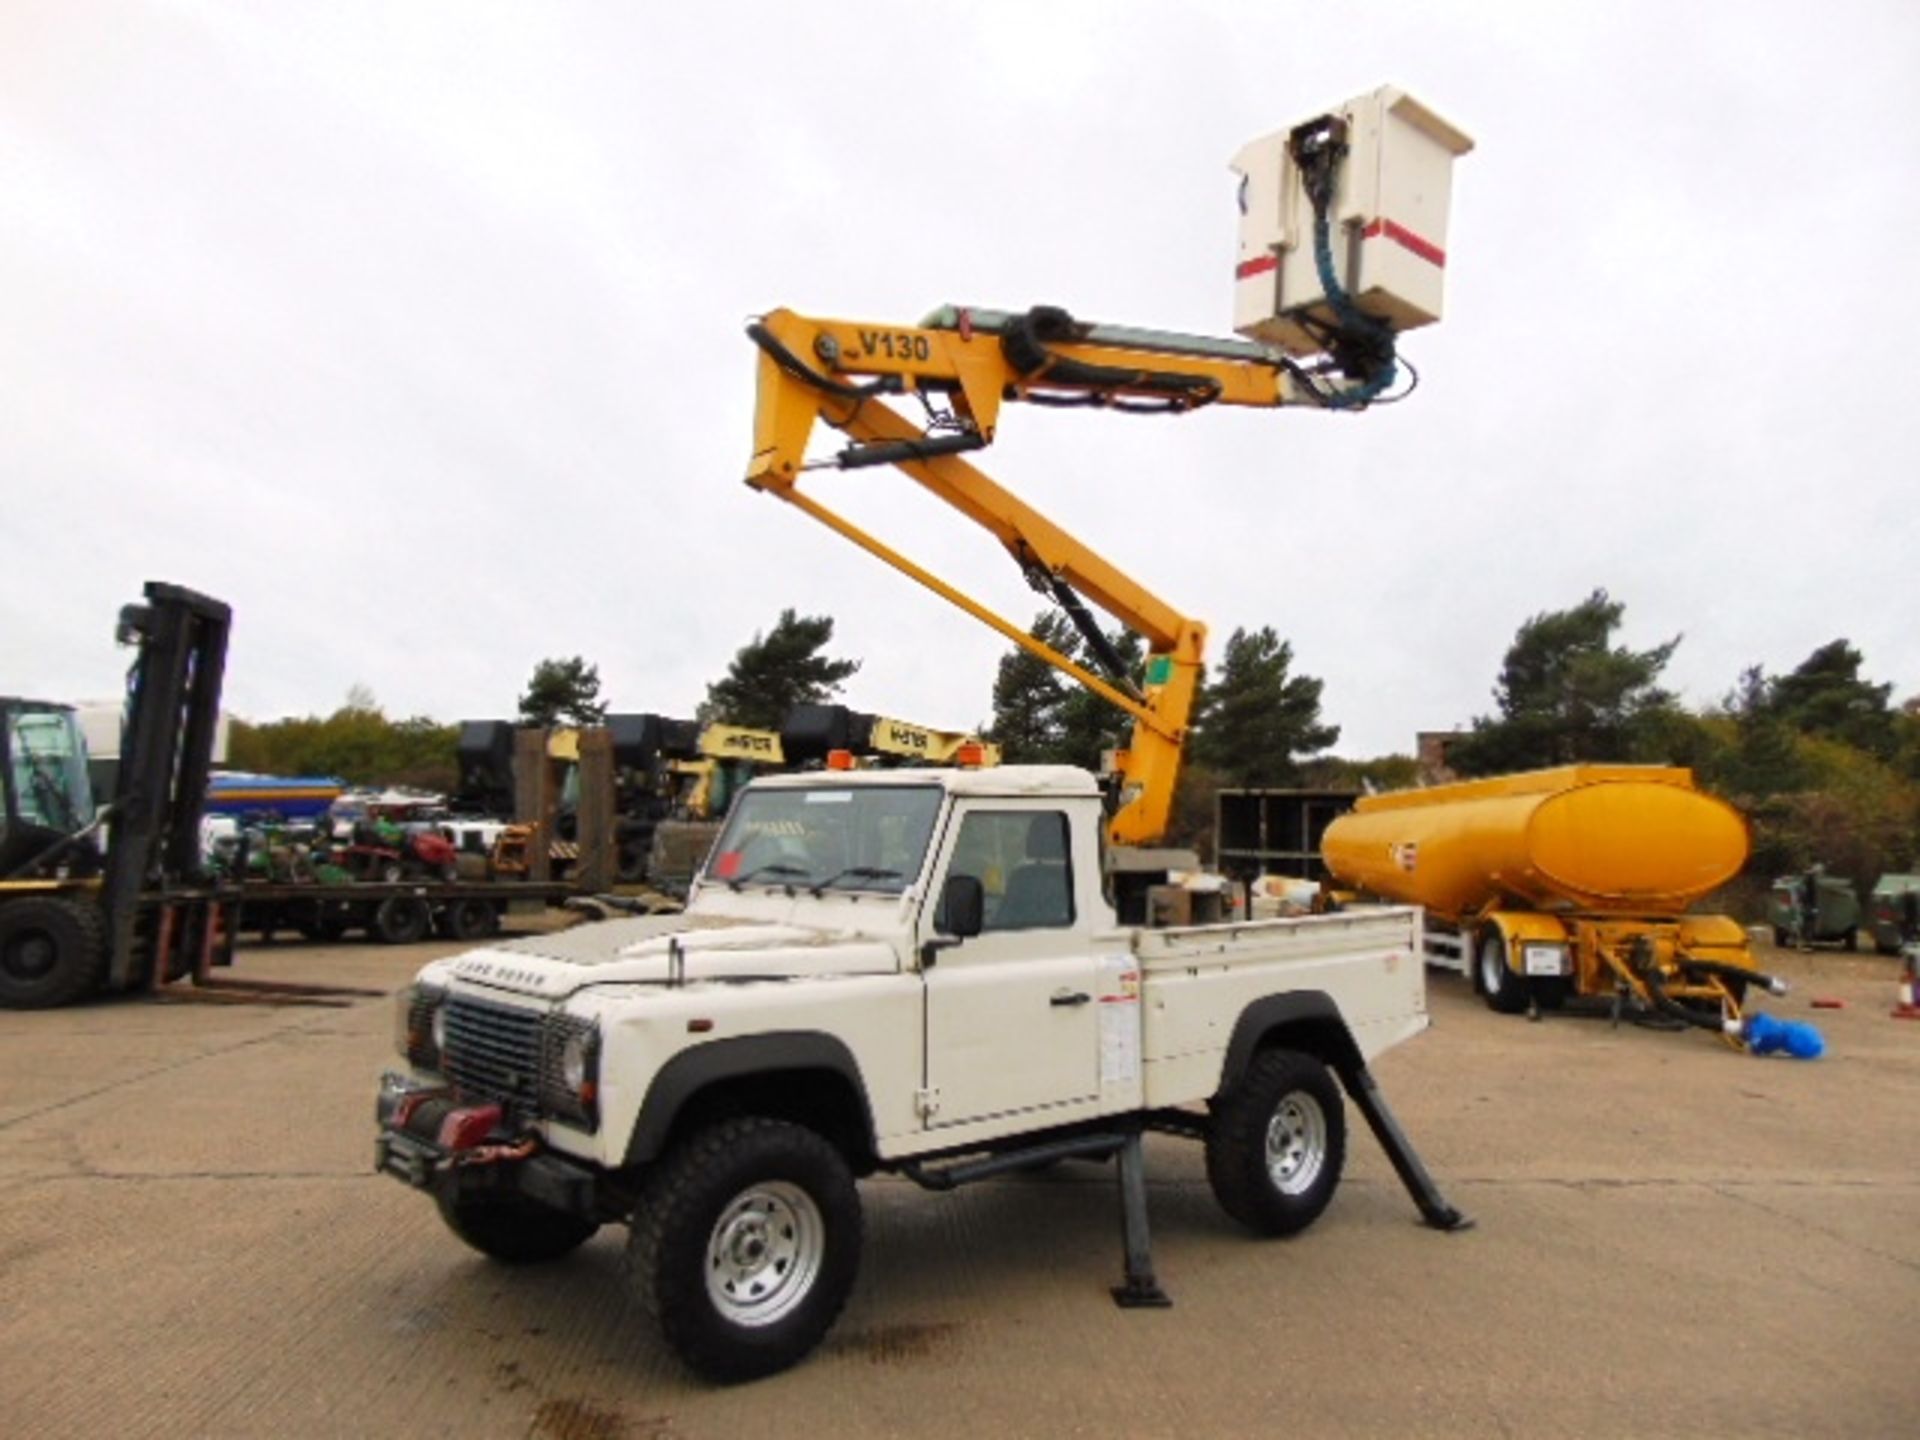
x,y
1342,247
962,364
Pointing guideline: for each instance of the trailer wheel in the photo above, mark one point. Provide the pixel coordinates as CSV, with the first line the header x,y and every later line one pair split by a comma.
x,y
745,1246
516,1231
52,952
471,919
1504,990
401,920
330,922
1277,1143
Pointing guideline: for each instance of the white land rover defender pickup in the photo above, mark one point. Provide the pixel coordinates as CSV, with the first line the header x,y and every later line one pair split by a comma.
x,y
912,971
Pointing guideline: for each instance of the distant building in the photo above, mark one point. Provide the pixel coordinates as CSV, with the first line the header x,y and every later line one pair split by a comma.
x,y
1430,749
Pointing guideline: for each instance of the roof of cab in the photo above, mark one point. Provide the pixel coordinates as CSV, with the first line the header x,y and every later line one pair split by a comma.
x,y
992,780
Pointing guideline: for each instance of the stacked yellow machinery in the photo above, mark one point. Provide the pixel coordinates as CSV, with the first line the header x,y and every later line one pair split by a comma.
x,y
1570,881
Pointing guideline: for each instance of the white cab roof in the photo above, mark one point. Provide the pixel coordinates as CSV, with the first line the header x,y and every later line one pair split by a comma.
x,y
991,780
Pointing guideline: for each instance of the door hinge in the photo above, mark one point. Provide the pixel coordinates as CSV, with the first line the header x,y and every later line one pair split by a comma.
x,y
926,1103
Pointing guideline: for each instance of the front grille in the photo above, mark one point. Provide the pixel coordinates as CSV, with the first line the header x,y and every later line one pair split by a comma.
x,y
493,1052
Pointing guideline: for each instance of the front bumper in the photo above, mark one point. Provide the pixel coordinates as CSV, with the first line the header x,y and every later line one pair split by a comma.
x,y
409,1147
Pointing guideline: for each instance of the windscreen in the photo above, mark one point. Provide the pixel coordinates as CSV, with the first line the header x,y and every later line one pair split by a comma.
x,y
867,837
49,769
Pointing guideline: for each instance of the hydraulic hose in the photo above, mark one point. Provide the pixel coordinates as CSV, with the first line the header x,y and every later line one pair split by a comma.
x,y
1024,344
1667,1005
1362,344
1773,983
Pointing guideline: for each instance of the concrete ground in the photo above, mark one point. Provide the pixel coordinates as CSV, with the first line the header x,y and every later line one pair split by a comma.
x,y
1673,1240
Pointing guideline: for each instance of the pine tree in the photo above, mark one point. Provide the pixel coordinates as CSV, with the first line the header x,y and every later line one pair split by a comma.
x,y
563,691
777,671
1566,694
1028,694
1256,720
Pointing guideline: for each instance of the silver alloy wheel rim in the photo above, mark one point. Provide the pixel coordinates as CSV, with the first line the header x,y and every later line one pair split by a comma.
x,y
1296,1143
764,1253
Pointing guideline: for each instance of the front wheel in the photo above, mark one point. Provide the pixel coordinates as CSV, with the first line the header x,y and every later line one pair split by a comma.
x,y
515,1231
1504,990
1277,1143
746,1244
53,951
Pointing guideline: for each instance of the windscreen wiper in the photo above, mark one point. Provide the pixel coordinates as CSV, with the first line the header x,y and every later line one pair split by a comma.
x,y
772,867
854,872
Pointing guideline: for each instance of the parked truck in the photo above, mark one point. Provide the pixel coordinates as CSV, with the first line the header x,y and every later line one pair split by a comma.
x,y
1564,882
915,972
927,972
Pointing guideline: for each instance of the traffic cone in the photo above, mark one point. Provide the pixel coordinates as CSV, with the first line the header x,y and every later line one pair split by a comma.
x,y
1908,1007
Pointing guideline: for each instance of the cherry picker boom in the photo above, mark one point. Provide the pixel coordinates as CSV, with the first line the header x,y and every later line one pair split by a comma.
x,y
1322,336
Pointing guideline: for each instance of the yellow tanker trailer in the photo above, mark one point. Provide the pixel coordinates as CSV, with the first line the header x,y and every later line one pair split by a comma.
x,y
1567,881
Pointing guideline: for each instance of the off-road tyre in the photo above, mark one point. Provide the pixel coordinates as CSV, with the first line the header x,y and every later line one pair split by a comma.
x,y
402,920
1277,1143
515,1231
1503,990
1851,940
693,1233
53,952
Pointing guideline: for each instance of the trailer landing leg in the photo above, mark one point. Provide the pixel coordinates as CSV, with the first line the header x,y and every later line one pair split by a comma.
x,y
1406,1164
1141,1291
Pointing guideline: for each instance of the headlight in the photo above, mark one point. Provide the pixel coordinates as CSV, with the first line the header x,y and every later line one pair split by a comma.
x,y
570,1070
573,1061
420,1025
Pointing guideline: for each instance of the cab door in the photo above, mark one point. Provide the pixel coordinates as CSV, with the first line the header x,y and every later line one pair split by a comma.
x,y
1012,1013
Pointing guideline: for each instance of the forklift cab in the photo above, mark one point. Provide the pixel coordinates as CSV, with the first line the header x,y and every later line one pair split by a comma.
x,y
47,796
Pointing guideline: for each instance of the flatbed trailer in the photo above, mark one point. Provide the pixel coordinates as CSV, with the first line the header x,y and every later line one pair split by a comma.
x,y
394,912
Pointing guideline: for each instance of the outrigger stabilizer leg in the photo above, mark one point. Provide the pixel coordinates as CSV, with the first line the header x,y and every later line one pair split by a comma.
x,y
1141,1291
1434,1208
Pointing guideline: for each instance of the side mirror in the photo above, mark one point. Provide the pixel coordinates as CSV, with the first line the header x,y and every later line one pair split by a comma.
x,y
963,907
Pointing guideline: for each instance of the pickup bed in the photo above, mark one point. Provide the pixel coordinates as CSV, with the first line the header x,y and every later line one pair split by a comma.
x,y
908,971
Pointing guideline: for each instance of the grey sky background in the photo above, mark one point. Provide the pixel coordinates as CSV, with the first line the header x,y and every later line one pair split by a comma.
x,y
415,332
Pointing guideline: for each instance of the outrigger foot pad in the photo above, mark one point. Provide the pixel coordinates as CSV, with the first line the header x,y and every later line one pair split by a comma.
x,y
1434,1209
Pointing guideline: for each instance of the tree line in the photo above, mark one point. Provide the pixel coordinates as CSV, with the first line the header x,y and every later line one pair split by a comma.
x,y
1820,758
777,670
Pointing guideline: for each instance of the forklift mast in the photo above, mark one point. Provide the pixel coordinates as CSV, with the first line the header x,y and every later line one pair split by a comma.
x,y
166,755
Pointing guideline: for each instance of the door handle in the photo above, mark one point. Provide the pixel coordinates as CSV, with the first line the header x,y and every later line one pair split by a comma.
x,y
1070,997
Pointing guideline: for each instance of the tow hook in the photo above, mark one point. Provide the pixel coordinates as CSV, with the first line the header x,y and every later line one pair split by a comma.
x,y
496,1154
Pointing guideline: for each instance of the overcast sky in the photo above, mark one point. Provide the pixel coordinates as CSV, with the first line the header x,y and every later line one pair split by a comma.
x,y
415,332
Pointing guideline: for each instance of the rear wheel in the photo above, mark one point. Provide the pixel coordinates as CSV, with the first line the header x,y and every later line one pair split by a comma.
x,y
1277,1143
467,920
401,920
1851,940
53,952
1504,990
516,1231
746,1244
